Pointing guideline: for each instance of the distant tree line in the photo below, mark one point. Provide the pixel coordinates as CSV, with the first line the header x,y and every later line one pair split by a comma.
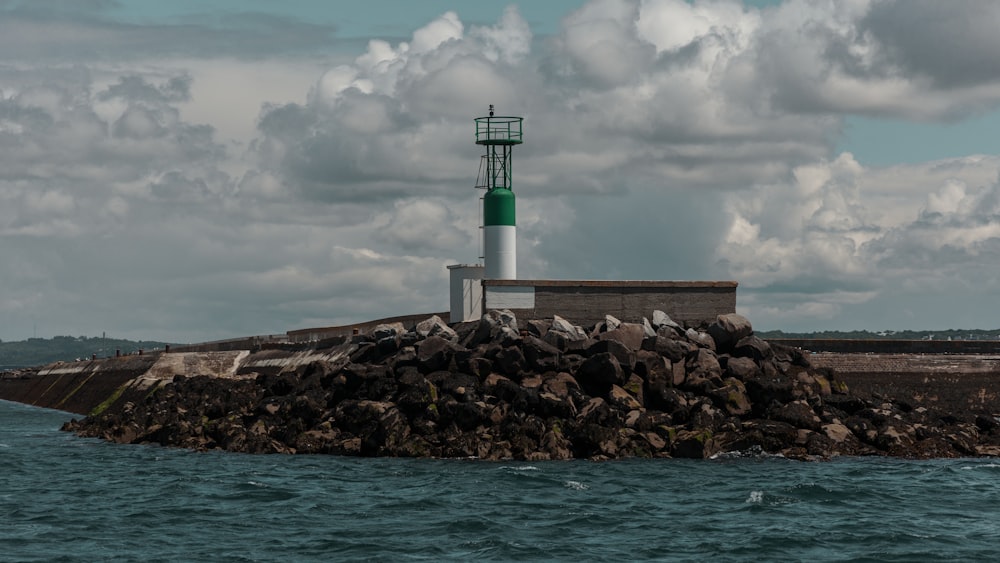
x,y
950,334
40,351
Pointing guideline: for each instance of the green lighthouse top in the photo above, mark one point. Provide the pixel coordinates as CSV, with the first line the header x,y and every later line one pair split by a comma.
x,y
498,130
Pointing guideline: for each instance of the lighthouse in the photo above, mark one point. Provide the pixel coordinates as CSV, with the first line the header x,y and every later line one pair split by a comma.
x,y
498,134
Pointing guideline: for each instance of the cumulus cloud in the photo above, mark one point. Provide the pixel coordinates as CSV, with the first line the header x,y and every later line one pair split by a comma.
x,y
187,179
813,248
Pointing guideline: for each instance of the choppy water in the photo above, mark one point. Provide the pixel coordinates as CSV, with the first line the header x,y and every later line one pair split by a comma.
x,y
64,498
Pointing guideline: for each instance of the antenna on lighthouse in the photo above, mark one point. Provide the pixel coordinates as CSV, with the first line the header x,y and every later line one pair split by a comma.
x,y
498,134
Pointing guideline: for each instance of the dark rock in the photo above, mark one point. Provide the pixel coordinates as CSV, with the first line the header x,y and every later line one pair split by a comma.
x,y
608,324
434,326
622,399
435,353
700,339
365,353
742,368
494,326
731,397
647,329
599,372
386,346
661,320
628,334
478,367
406,357
697,444
754,348
416,393
596,411
670,348
539,355
502,388
391,330
594,441
537,327
464,331
462,387
729,329
799,414
987,423
510,362
549,393
771,435
567,329
703,371
622,353
770,387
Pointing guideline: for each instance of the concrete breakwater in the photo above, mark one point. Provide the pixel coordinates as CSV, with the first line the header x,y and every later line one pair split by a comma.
x,y
540,389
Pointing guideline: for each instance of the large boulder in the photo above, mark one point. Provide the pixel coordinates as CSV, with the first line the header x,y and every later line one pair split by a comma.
x,y
568,329
540,355
668,347
728,329
661,319
629,334
732,397
599,372
494,326
697,444
609,323
434,326
435,353
700,339
799,414
753,347
624,354
703,371
387,330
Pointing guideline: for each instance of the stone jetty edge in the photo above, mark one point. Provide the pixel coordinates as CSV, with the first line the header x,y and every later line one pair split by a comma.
x,y
499,389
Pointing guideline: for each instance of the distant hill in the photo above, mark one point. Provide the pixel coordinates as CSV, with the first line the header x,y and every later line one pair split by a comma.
x,y
950,334
40,351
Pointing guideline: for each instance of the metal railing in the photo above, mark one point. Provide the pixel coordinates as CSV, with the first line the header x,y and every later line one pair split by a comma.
x,y
499,130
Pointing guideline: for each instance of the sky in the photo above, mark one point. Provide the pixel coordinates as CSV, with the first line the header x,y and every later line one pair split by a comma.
x,y
197,170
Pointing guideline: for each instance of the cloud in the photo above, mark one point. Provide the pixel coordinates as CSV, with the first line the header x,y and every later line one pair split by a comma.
x,y
953,47
214,176
61,32
912,60
839,235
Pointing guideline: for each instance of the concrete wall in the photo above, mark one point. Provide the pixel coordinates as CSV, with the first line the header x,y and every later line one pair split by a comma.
x,y
957,383
466,292
76,387
244,343
80,387
586,302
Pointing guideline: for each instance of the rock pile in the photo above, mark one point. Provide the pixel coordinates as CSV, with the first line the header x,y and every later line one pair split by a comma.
x,y
545,389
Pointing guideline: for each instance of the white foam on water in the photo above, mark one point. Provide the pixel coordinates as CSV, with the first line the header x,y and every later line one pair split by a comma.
x,y
756,497
753,452
991,465
521,468
576,485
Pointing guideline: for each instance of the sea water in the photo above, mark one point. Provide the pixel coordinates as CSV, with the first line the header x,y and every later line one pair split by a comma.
x,y
64,498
